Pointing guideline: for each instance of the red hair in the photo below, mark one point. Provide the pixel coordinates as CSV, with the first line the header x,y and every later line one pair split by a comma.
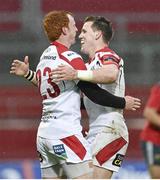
x,y
53,23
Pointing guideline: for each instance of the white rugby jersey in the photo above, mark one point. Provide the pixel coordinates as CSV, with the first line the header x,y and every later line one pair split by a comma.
x,y
61,102
97,113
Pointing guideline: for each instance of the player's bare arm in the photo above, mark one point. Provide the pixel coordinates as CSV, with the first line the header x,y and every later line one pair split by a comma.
x,y
105,74
64,72
21,68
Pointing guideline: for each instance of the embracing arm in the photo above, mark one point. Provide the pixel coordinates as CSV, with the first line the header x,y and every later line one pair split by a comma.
x,y
105,74
104,98
93,91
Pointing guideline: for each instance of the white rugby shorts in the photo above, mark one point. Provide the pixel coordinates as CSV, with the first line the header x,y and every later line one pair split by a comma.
x,y
72,149
110,144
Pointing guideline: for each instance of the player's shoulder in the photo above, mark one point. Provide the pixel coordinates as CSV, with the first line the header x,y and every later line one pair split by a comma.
x,y
74,59
109,52
70,55
108,55
49,53
64,52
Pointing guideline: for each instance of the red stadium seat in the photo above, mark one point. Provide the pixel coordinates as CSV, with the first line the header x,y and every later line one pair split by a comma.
x,y
18,144
25,102
102,6
114,7
10,26
141,93
10,5
144,27
8,8
20,102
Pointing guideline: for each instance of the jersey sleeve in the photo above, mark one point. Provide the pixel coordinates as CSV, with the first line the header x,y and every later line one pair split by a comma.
x,y
154,99
74,59
101,96
110,58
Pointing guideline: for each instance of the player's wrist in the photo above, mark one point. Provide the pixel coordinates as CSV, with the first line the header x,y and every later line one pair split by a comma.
x,y
85,75
26,74
29,75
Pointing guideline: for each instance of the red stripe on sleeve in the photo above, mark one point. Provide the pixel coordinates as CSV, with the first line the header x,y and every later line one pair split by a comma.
x,y
110,149
75,145
76,63
110,62
109,57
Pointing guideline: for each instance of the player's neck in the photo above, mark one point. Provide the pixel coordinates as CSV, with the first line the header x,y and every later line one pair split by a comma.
x,y
91,52
64,42
100,45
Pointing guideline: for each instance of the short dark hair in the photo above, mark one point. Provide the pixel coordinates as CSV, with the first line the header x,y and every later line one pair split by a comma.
x,y
102,24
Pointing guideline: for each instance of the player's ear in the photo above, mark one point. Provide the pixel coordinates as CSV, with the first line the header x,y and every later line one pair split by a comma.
x,y
64,30
98,34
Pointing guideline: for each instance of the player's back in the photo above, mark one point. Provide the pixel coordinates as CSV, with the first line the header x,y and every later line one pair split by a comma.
x,y
61,102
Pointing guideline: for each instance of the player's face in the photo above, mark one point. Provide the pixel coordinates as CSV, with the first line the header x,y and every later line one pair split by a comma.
x,y
87,37
72,29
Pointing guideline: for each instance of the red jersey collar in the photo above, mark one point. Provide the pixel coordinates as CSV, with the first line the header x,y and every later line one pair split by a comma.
x,y
59,46
106,48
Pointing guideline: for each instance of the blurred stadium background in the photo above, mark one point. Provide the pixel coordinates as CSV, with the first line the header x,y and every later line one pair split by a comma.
x,y
137,29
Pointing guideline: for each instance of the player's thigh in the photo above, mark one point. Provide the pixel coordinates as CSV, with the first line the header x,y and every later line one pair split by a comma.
x,y
77,148
46,158
79,162
50,163
53,172
72,149
109,148
80,170
101,173
54,154
69,170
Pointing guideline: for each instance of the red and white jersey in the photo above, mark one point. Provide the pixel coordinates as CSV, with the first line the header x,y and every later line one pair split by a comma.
x,y
152,132
97,113
61,102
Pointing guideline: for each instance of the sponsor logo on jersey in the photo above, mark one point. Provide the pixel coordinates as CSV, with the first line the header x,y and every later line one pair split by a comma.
x,y
47,116
60,151
70,55
49,57
118,160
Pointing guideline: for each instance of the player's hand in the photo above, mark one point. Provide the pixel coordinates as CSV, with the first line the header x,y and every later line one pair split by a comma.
x,y
63,72
20,68
132,103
